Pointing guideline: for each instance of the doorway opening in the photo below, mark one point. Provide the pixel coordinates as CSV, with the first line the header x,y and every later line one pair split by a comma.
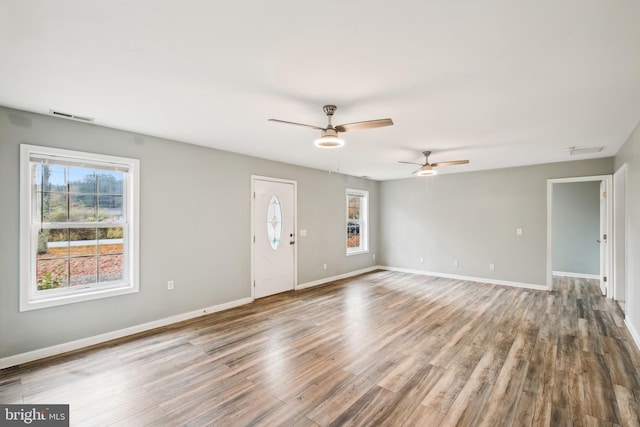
x,y
579,229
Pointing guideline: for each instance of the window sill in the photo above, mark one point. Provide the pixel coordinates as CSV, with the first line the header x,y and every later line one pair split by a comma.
x,y
57,300
364,251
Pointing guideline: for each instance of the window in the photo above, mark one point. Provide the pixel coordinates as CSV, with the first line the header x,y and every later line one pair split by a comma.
x,y
274,222
79,226
357,218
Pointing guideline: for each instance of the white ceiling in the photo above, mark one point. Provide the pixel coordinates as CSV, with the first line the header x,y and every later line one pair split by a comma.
x,y
501,83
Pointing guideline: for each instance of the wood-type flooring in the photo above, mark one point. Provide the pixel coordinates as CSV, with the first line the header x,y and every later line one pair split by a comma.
x,y
384,349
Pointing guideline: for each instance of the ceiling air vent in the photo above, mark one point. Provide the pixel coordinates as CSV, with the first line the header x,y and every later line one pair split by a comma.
x,y
575,151
71,116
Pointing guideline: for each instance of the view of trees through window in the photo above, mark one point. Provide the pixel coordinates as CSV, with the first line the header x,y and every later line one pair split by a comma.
x,y
80,213
353,221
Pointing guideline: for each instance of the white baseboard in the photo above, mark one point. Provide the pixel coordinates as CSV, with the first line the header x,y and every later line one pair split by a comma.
x,y
633,332
30,356
576,275
338,277
468,278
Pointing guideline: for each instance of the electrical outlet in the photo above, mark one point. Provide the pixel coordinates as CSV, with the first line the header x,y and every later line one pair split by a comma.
x,y
373,256
492,267
519,231
456,263
170,285
324,266
421,260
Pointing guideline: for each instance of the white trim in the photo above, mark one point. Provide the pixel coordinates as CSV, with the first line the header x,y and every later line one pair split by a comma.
x,y
295,228
608,180
633,332
338,277
622,170
577,275
468,278
54,350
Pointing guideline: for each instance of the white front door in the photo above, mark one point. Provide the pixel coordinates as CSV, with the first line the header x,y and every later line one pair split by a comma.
x,y
274,236
604,243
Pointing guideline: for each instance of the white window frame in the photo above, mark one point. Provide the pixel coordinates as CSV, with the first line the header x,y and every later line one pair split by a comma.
x,y
364,222
30,297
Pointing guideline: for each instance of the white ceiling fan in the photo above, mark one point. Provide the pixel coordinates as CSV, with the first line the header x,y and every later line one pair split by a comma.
x,y
427,168
329,135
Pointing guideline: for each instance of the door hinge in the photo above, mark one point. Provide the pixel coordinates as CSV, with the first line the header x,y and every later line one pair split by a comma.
x,y
604,194
254,239
254,283
254,194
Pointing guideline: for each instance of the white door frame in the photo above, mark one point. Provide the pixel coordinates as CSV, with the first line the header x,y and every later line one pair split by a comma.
x,y
607,179
255,178
619,196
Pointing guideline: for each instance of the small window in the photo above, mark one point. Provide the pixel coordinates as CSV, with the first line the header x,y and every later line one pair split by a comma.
x,y
79,226
357,221
274,222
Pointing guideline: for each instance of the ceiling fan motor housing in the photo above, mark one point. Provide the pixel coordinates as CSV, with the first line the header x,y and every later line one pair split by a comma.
x,y
329,109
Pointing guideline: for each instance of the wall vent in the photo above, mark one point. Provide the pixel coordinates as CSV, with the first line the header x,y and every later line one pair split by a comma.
x,y
575,151
71,116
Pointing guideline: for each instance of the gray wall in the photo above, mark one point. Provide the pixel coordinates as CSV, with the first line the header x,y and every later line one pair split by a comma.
x,y
472,217
576,227
201,198
629,154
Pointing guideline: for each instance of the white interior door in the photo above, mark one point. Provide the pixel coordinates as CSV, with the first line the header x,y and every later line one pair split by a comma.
x,y
604,243
274,237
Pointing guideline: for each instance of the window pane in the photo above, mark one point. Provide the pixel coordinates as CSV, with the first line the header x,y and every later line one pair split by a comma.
x,y
353,234
83,207
354,207
53,243
83,270
51,207
83,241
82,181
110,240
52,273
110,268
53,178
110,208
110,182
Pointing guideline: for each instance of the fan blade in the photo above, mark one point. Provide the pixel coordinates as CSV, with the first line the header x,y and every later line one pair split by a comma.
x,y
297,124
455,162
416,171
369,124
410,163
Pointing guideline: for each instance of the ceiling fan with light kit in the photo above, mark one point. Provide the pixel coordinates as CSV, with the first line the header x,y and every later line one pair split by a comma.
x,y
428,169
329,135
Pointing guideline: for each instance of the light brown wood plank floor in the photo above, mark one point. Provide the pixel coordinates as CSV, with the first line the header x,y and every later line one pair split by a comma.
x,y
384,348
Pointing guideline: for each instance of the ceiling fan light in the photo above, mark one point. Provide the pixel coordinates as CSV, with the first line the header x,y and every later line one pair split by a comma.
x,y
329,142
427,171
